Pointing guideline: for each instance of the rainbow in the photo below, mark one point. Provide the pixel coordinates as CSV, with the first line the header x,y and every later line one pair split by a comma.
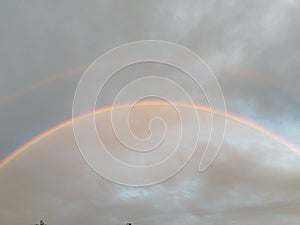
x,y
53,79
41,84
68,122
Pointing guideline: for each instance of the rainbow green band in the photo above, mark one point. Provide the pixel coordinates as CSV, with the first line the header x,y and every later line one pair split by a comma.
x,y
231,116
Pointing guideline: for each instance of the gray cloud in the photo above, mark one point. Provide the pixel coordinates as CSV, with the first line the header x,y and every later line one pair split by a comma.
x,y
253,47
247,183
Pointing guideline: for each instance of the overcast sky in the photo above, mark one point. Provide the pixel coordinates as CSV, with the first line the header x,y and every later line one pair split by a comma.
x,y
253,48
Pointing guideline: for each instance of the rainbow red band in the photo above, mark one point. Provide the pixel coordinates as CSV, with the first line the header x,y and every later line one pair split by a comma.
x,y
231,116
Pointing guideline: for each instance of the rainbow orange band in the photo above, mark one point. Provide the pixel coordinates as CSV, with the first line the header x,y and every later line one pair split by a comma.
x,y
231,116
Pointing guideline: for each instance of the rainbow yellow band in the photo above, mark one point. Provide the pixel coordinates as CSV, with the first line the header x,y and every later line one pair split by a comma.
x,y
231,116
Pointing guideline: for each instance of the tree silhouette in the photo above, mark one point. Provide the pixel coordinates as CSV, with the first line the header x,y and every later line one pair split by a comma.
x,y
41,223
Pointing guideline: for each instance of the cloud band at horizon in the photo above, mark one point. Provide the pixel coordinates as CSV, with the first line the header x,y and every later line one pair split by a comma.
x,y
231,116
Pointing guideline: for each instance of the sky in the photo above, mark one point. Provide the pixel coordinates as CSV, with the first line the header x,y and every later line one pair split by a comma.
x,y
253,49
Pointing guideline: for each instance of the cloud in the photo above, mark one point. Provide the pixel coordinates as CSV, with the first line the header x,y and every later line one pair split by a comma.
x,y
253,48
247,183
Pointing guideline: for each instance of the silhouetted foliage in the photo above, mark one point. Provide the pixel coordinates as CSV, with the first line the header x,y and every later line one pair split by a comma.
x,y
41,223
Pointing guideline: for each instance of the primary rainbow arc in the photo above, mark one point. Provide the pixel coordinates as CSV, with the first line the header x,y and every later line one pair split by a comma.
x,y
231,116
